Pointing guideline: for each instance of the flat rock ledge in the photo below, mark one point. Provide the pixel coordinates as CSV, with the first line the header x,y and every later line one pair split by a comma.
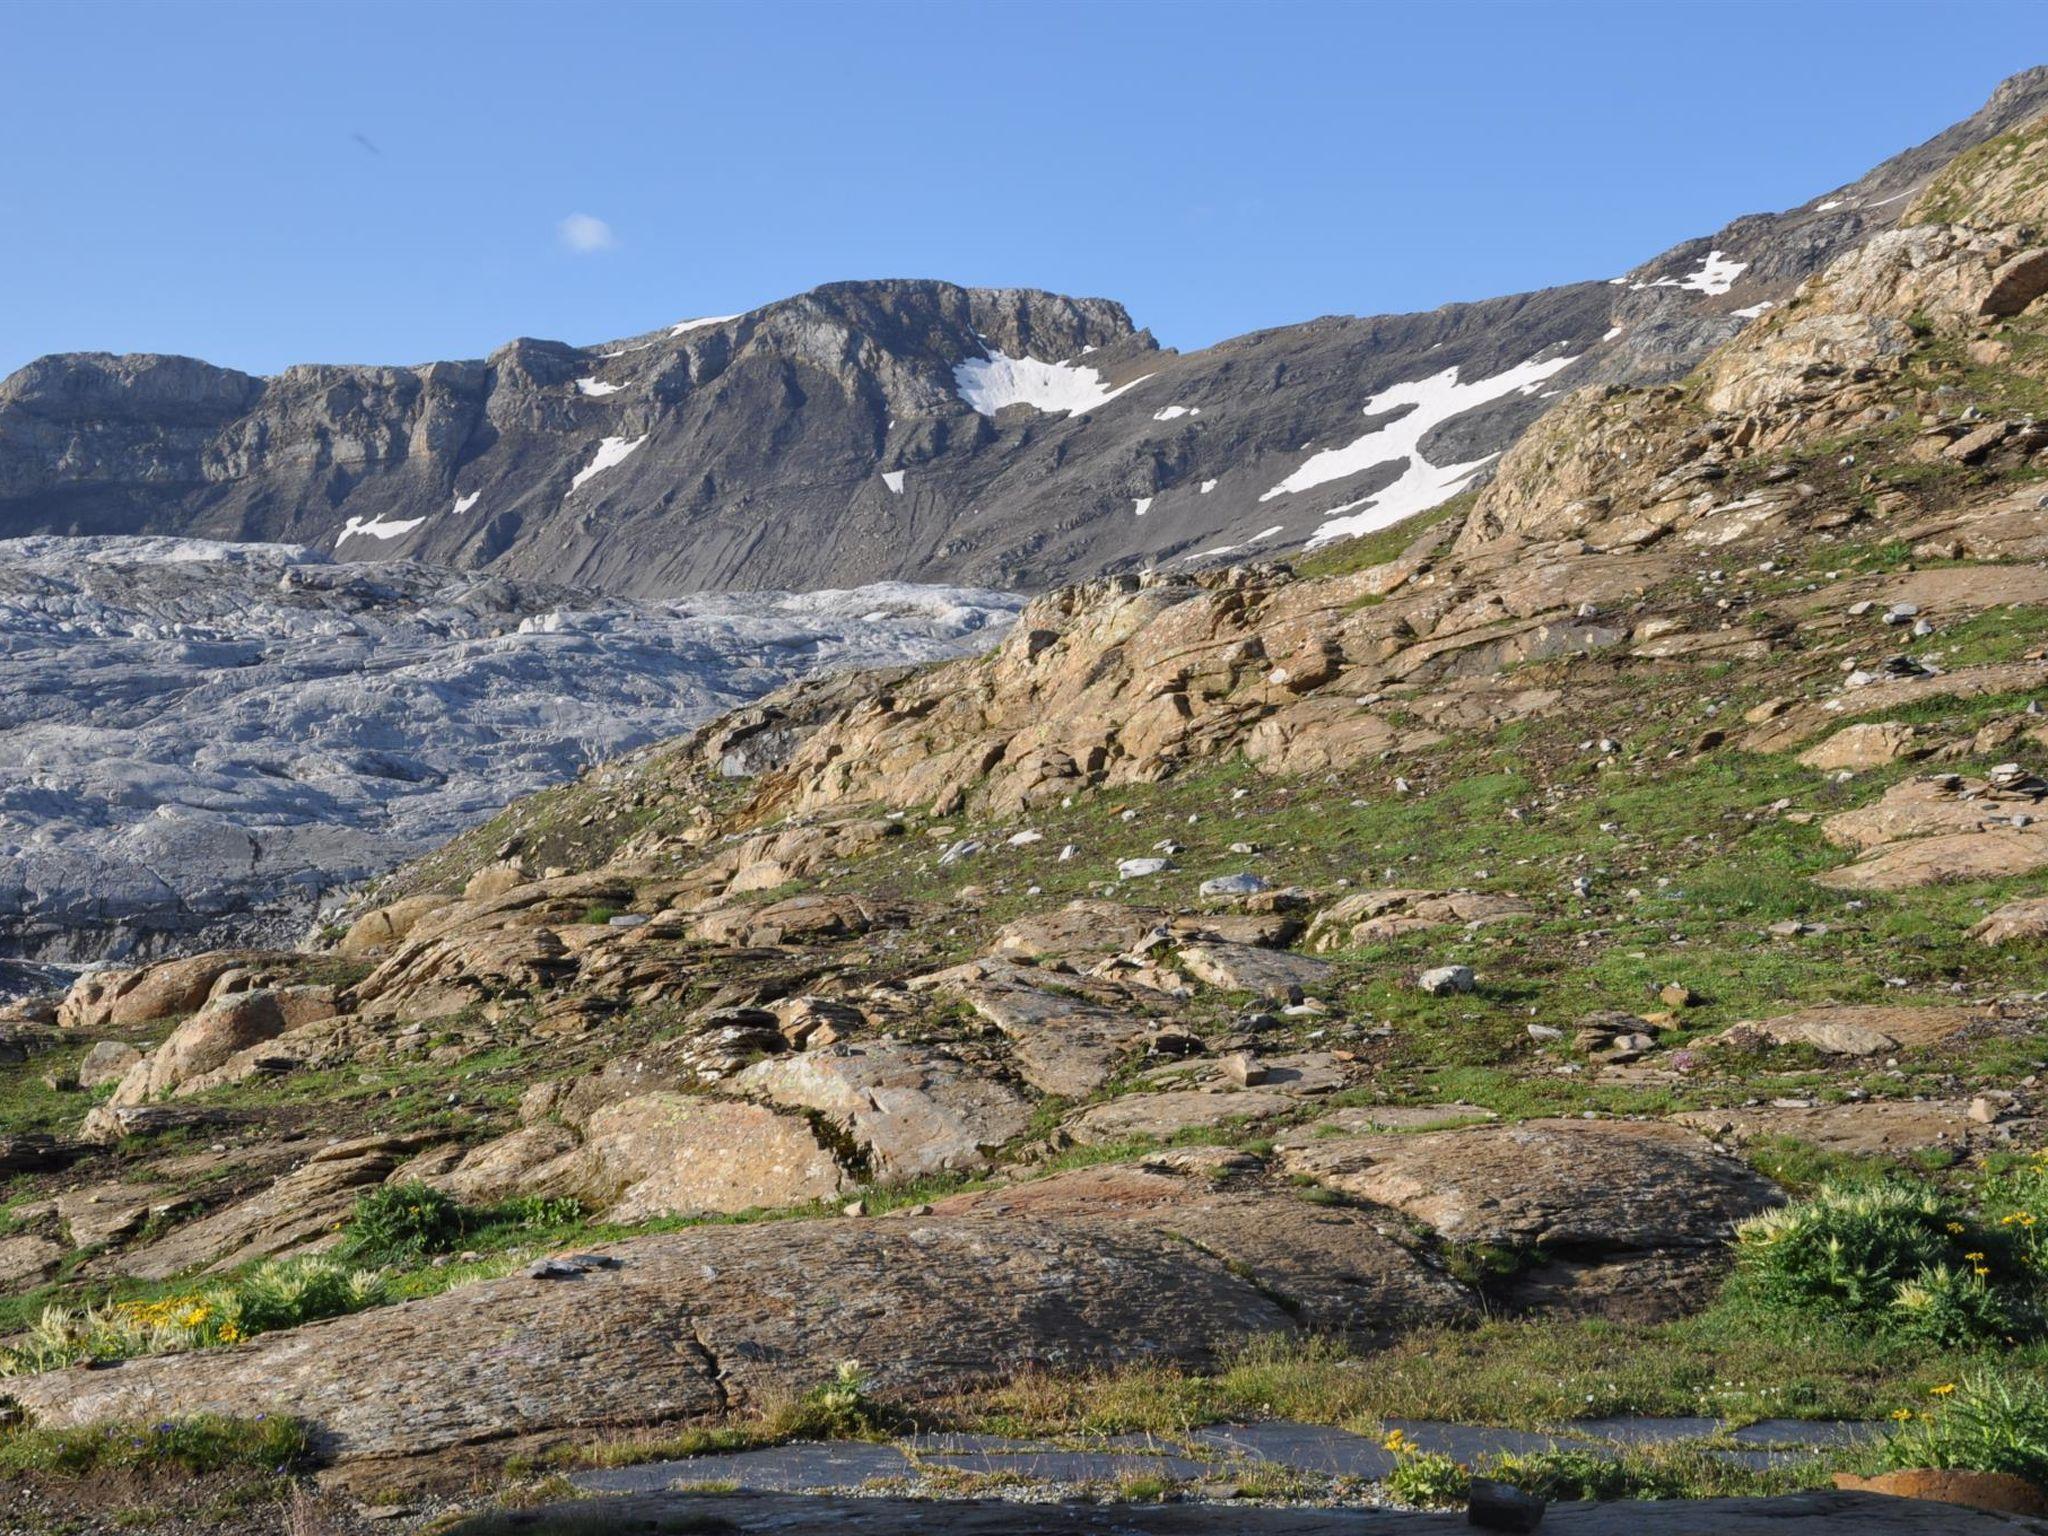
x,y
1803,1514
694,1323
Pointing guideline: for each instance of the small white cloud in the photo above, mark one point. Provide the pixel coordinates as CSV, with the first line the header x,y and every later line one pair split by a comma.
x,y
583,234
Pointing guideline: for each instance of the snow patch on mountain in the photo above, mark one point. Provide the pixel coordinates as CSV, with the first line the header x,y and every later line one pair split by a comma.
x,y
991,383
612,452
684,327
376,528
1431,402
1714,278
597,387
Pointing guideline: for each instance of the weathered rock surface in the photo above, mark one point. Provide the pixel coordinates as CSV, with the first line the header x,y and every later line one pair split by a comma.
x,y
1855,1029
1267,973
1341,1270
694,1322
1166,1114
1373,917
1870,745
1627,1217
911,1110
202,1044
1877,1128
300,1210
2017,922
672,1154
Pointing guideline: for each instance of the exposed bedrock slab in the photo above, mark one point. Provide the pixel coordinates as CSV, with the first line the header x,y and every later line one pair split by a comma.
x,y
1621,1217
695,1321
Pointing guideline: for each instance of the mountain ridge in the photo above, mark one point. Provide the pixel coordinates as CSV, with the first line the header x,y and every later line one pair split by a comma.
x,y
823,439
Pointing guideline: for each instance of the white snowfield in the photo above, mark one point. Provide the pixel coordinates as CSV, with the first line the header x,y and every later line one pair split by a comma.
x,y
464,503
1230,549
193,733
1714,278
991,383
612,452
684,327
893,478
1421,485
377,528
597,387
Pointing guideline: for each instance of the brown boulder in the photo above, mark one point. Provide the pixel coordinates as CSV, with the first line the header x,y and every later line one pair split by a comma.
x,y
202,1043
2017,922
505,1166
912,1110
119,999
27,1260
1873,744
107,1062
384,928
493,880
1853,1029
1957,856
672,1154
807,919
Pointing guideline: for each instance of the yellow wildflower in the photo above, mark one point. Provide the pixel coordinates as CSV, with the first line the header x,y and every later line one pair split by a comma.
x,y
1943,1390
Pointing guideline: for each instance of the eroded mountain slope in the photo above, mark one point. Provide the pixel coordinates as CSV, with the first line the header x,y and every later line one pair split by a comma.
x,y
894,430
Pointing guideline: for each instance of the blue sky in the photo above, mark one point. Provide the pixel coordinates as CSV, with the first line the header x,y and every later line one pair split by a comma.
x,y
262,184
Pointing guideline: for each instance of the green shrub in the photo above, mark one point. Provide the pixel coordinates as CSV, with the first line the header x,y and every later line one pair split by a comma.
x,y
208,1443
394,1223
1897,1256
1982,1424
538,1211
599,914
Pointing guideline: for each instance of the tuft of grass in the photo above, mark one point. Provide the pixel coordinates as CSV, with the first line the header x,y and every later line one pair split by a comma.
x,y
203,1444
840,1408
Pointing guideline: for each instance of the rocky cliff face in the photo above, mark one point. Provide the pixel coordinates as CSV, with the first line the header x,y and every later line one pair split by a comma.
x,y
868,431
